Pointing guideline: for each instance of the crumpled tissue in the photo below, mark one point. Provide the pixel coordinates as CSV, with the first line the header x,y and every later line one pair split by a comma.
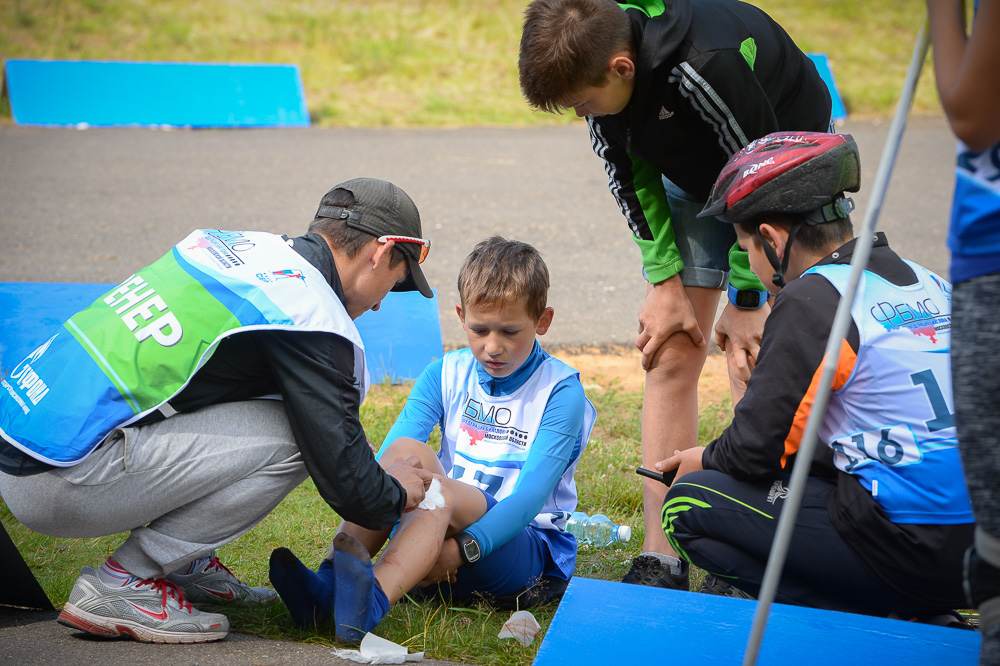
x,y
376,650
522,627
433,498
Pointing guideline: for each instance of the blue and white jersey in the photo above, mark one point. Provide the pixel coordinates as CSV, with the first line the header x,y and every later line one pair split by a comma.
x,y
974,234
140,344
485,439
890,420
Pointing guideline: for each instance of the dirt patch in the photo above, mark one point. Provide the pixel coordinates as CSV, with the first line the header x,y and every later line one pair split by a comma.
x,y
604,367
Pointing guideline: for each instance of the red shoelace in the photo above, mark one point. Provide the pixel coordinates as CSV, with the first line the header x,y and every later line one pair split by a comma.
x,y
216,564
168,590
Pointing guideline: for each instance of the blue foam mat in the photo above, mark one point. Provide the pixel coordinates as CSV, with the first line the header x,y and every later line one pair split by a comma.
x,y
401,338
108,93
601,622
838,112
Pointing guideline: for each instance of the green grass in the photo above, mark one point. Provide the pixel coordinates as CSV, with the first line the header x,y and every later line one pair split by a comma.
x,y
605,478
428,63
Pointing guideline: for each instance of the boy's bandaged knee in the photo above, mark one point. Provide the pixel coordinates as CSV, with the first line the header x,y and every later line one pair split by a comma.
x,y
433,497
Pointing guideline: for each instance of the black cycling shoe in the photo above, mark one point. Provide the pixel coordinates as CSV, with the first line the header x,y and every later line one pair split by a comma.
x,y
650,571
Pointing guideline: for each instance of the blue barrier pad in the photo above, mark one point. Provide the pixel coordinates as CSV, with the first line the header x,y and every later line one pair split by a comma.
x,y
838,112
600,622
107,93
401,338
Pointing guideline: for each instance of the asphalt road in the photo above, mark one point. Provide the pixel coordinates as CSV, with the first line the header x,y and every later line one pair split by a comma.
x,y
32,637
95,205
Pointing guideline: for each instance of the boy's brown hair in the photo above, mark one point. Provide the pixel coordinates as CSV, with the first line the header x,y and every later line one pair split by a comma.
x,y
566,46
813,237
499,272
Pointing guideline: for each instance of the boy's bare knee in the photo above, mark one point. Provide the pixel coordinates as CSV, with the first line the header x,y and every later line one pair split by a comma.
x,y
405,447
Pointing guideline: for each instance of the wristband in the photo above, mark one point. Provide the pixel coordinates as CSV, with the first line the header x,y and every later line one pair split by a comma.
x,y
747,299
468,548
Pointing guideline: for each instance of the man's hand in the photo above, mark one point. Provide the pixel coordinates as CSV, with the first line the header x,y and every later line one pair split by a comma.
x,y
414,479
446,566
686,461
666,311
738,333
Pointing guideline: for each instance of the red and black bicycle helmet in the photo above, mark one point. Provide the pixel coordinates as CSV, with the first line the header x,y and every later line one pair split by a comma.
x,y
800,173
787,172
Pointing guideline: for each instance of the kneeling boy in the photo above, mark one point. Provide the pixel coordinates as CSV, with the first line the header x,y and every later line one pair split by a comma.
x,y
513,421
885,518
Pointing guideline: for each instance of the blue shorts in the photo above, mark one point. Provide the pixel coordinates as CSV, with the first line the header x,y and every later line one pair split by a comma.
x,y
509,569
703,243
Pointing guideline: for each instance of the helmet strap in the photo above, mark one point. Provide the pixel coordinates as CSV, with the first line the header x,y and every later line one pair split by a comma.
x,y
772,257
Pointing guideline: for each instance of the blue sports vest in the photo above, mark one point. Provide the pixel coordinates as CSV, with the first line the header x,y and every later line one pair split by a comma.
x,y
139,345
891,422
485,439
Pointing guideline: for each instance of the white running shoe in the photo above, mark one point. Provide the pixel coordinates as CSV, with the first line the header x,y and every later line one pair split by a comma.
x,y
213,583
151,611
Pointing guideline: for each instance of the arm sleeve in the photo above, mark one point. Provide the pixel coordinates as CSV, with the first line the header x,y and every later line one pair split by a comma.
x,y
423,409
740,275
723,90
768,423
315,376
553,450
638,188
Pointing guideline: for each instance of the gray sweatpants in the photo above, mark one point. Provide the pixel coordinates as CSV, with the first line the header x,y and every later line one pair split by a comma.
x,y
182,487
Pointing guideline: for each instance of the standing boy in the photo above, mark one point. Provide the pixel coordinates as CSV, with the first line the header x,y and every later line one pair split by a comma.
x,y
885,517
148,421
513,421
670,91
965,70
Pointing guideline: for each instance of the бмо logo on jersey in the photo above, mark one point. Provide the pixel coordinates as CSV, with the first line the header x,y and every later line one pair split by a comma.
x,y
922,317
493,422
223,246
26,379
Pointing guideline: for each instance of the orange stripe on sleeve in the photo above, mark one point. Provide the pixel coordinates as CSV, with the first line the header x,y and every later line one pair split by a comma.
x,y
845,366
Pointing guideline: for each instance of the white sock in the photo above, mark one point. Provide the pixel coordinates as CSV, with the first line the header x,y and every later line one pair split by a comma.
x,y
672,562
113,574
196,565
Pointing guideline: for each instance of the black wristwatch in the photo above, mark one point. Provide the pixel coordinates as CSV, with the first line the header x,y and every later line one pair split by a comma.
x,y
468,548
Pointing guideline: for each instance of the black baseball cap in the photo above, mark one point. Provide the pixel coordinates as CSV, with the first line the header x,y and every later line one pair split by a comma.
x,y
383,209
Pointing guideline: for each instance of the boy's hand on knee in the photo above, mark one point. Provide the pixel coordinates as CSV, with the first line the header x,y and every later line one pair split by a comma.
x,y
666,311
414,479
738,333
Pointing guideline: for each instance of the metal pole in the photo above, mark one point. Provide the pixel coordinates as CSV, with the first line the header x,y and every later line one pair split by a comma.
x,y
841,321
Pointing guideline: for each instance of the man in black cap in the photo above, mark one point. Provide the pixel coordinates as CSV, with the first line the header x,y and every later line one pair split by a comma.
x,y
87,448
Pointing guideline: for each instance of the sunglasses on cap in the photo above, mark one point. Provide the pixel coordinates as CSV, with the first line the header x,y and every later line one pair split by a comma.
x,y
423,242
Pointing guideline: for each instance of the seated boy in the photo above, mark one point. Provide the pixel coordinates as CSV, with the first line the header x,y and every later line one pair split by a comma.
x,y
513,421
885,518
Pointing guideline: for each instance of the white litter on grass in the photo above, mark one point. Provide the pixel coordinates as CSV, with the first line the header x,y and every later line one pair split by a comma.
x,y
376,650
522,627
433,498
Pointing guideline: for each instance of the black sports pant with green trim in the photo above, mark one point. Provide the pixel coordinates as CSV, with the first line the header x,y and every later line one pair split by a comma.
x,y
726,527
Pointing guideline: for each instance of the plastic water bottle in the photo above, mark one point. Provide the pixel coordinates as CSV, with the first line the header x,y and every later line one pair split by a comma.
x,y
597,530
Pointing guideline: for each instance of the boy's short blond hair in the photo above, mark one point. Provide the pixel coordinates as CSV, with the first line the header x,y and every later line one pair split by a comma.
x,y
501,272
566,46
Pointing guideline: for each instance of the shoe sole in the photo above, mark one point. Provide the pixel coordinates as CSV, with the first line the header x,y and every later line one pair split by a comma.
x,y
99,625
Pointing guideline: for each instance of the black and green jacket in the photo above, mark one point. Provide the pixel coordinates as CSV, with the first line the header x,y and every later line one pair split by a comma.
x,y
711,76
